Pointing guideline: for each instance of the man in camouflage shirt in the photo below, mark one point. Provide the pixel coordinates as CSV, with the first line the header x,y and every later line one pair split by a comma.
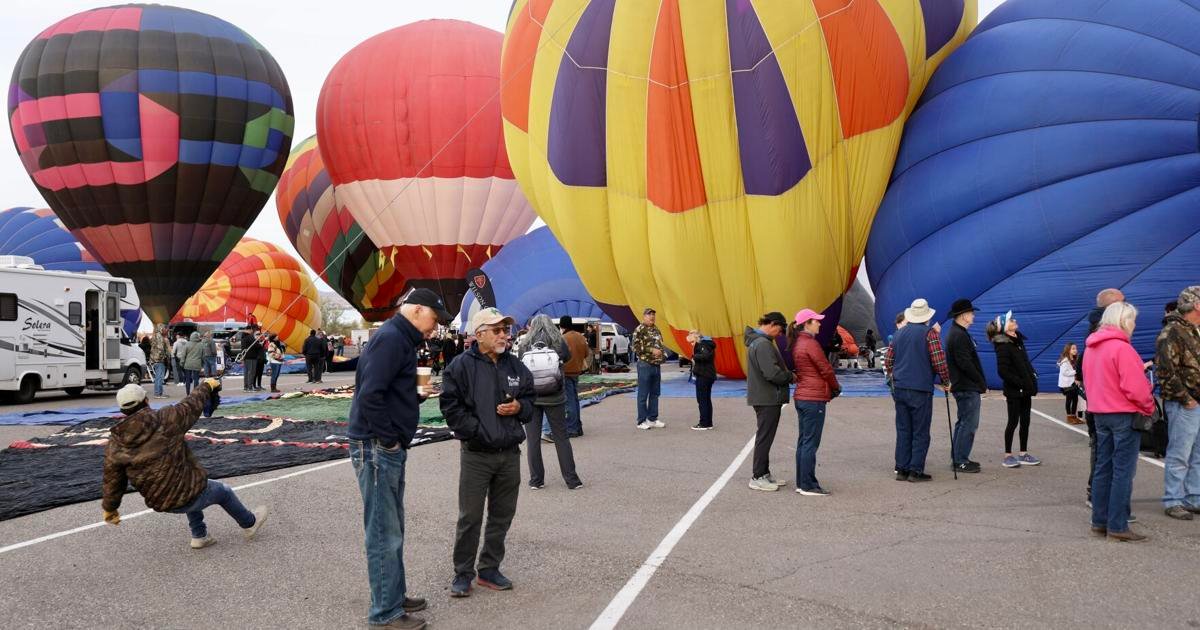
x,y
648,347
1178,367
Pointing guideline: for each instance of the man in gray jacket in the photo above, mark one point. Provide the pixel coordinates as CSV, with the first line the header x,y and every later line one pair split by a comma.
x,y
767,381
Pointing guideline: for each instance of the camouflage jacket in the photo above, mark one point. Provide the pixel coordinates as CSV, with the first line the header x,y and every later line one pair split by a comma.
x,y
160,349
1178,360
646,339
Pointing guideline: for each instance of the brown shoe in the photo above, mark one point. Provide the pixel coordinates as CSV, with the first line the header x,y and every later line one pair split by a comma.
x,y
1100,532
407,622
1126,536
1074,420
1178,512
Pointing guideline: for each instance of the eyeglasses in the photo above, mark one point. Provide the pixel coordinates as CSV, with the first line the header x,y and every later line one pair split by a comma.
x,y
495,331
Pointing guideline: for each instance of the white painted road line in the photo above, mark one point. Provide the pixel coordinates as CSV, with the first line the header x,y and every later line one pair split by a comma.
x,y
49,537
1083,432
625,597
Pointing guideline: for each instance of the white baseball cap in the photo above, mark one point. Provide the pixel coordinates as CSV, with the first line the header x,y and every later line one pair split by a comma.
x,y
130,396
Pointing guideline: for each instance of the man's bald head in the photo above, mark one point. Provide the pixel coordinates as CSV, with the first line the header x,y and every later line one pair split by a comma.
x,y
1109,296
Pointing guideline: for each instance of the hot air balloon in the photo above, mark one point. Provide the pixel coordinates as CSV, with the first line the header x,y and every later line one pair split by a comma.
x,y
258,282
330,240
1053,156
156,134
715,159
38,234
533,275
409,130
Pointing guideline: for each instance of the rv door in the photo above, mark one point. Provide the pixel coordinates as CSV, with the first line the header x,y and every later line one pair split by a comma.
x,y
112,331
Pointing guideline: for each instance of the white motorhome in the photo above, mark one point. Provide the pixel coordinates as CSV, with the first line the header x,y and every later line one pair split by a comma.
x,y
62,330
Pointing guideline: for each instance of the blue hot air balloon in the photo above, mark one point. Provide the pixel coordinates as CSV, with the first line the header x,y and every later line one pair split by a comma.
x,y
1053,155
38,234
533,274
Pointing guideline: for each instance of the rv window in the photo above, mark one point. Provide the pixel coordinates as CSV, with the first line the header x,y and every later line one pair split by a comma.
x,y
8,307
75,313
123,289
111,309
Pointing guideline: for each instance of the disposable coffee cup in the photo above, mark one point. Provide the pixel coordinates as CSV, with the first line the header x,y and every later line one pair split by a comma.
x,y
424,375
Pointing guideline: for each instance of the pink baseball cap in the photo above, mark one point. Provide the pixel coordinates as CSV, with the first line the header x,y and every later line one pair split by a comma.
x,y
807,314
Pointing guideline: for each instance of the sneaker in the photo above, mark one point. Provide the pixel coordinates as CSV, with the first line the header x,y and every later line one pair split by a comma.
x,y
200,543
1011,462
1088,503
493,579
645,426
461,586
404,622
414,604
779,482
1194,509
1132,518
699,427
1126,536
1028,460
813,492
1178,512
658,424
260,518
901,475
764,484
966,468
536,486
575,486
916,477
547,438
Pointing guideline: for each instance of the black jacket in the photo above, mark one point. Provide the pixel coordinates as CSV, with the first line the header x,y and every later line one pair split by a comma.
x,y
472,386
250,350
1012,362
966,372
314,348
704,357
385,405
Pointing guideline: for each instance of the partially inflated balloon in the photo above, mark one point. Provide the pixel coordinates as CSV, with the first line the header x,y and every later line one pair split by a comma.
x,y
156,134
38,234
715,159
409,128
258,279
330,240
1053,155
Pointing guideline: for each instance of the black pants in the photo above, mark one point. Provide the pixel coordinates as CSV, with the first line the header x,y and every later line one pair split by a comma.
x,y
1018,414
308,368
314,368
249,371
1091,425
259,367
556,415
768,424
1072,394
494,478
704,387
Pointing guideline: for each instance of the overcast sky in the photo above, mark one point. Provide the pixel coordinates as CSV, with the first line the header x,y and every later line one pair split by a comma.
x,y
306,37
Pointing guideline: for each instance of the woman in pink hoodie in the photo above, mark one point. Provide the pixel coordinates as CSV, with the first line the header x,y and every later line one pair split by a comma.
x,y
1117,388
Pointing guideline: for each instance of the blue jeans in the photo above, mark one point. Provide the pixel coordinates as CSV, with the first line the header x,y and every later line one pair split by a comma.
x,y
574,422
914,414
812,423
276,368
160,375
704,387
191,378
649,386
964,429
210,366
1116,463
380,475
215,493
1181,485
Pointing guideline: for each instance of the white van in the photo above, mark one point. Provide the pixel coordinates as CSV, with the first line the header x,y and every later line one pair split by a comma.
x,y
62,330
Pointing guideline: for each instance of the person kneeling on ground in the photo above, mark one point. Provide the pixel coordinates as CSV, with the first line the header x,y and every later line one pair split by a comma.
x,y
147,449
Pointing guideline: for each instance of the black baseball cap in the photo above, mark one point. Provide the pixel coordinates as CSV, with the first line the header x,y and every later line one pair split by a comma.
x,y
425,297
775,317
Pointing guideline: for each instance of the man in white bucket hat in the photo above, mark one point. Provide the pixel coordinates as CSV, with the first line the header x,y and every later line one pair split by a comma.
x,y
913,359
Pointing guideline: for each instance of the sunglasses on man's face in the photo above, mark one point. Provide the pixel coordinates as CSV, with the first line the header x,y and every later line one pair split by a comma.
x,y
495,331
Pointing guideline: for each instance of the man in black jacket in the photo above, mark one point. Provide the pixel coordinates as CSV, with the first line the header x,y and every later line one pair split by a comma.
x,y
252,354
487,394
383,420
312,350
966,372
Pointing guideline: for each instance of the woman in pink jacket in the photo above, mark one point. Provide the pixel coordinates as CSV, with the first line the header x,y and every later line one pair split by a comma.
x,y
1117,388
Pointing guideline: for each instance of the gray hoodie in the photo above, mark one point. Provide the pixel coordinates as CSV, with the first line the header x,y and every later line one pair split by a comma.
x,y
193,353
767,378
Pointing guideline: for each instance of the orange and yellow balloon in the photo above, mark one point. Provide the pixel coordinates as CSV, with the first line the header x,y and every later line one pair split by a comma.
x,y
715,159
258,280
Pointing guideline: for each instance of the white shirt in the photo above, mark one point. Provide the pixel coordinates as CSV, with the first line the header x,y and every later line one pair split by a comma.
x,y
1066,374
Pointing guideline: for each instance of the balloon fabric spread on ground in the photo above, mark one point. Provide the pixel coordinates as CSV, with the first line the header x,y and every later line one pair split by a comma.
x,y
715,159
259,279
1052,156
533,275
330,240
156,134
409,130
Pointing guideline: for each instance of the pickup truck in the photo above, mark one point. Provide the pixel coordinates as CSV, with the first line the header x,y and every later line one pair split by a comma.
x,y
614,344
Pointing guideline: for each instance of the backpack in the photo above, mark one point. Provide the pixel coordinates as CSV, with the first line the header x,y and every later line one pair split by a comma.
x,y
544,364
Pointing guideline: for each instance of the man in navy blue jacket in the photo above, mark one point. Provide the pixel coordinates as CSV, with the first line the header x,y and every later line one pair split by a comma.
x,y
383,420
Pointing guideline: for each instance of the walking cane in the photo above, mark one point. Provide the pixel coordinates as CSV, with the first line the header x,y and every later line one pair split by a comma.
x,y
951,427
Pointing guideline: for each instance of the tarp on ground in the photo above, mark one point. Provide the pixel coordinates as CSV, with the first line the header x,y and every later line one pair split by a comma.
x,y
66,467
75,415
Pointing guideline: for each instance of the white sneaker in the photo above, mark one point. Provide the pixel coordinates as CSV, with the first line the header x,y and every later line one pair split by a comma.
x,y
645,425
659,424
260,517
764,484
779,482
200,543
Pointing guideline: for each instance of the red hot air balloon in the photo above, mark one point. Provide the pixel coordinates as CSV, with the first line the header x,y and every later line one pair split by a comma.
x,y
409,127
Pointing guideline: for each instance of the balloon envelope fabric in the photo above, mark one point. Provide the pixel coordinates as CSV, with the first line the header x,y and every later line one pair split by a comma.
x,y
330,240
533,275
156,134
1052,156
38,234
259,279
715,159
409,129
